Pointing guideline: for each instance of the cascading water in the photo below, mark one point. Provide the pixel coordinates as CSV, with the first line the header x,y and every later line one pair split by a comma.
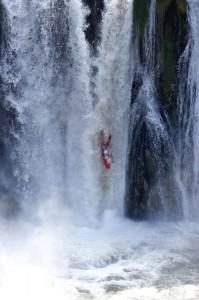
x,y
188,116
57,93
113,92
151,152
51,102
57,155
59,116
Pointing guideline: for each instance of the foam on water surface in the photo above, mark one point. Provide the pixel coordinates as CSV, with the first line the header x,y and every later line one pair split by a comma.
x,y
118,260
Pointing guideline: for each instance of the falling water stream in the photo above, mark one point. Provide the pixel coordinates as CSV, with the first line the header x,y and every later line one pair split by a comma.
x,y
72,240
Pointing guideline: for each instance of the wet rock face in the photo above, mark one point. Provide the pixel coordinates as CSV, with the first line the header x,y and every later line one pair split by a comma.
x,y
172,34
171,39
140,19
93,20
138,184
142,198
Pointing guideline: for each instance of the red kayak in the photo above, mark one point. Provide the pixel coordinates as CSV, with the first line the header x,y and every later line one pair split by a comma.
x,y
106,161
105,145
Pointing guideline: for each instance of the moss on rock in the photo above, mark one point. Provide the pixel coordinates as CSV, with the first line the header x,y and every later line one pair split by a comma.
x,y
172,33
163,5
182,6
141,12
142,194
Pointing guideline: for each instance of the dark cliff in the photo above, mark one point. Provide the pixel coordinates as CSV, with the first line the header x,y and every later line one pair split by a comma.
x,y
145,167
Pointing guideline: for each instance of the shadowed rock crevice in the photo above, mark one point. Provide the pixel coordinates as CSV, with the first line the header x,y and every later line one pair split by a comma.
x,y
172,35
94,18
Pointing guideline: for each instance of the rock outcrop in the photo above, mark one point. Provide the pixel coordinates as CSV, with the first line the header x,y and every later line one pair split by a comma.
x,y
146,168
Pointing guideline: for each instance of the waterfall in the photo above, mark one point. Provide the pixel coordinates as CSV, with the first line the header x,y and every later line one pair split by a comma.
x,y
60,106
152,186
150,38
112,92
188,141
68,225
51,101
58,94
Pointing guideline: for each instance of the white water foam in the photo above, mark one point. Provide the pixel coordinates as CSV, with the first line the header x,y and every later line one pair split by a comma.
x,y
55,259
119,260
113,93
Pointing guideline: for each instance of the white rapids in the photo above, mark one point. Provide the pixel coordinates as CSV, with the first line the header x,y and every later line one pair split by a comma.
x,y
119,260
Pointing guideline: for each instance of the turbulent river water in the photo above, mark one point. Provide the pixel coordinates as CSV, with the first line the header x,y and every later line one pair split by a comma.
x,y
118,260
71,239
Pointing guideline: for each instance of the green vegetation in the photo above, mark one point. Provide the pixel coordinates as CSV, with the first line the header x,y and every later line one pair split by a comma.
x,y
172,32
141,12
162,6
